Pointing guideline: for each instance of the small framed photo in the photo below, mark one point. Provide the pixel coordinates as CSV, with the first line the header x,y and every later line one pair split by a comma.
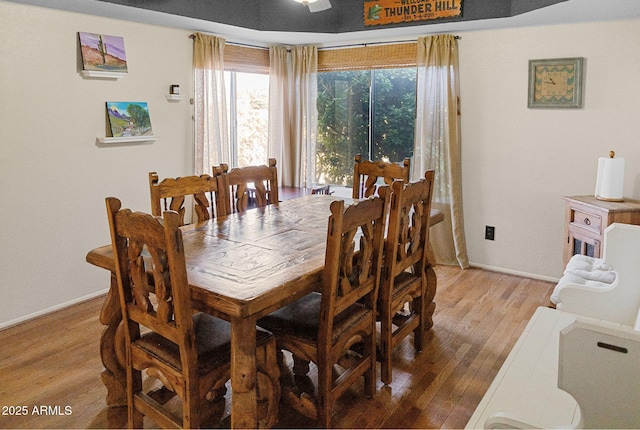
x,y
556,83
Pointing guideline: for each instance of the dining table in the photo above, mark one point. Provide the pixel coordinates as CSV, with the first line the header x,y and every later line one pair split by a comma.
x,y
240,267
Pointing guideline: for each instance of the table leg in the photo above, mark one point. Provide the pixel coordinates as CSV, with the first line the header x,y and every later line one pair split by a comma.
x,y
113,376
244,412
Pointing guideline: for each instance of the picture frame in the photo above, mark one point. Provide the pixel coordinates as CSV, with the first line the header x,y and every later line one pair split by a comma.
x,y
556,83
103,53
129,119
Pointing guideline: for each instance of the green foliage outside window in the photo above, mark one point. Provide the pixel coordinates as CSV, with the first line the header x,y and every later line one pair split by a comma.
x,y
348,125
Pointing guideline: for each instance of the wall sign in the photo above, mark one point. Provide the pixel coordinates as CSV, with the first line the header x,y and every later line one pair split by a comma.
x,y
381,12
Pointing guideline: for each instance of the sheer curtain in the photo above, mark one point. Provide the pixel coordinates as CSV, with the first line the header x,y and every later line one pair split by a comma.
x,y
292,112
212,145
437,142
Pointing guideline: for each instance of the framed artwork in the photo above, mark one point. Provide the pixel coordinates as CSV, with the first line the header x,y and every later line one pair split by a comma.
x,y
128,119
556,83
102,53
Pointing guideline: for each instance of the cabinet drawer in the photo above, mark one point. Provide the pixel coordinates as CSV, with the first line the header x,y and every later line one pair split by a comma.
x,y
586,220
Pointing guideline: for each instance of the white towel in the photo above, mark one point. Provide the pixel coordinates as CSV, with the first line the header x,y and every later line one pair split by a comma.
x,y
583,262
590,269
570,278
606,276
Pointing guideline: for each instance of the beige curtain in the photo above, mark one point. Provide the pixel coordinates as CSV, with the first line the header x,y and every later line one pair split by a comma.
x,y
292,112
437,142
212,145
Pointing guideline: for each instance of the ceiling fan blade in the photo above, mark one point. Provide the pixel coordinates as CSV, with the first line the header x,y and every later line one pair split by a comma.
x,y
319,5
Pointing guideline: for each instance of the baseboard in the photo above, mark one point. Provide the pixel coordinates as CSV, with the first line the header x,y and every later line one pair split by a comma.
x,y
514,272
46,311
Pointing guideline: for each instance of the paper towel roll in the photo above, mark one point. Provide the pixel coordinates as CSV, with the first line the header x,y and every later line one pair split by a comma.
x,y
610,179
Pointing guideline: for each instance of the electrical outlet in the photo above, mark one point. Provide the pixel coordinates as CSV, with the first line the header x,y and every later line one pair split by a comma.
x,y
489,232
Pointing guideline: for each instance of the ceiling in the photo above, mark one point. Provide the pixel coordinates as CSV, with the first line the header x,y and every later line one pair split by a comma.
x,y
264,22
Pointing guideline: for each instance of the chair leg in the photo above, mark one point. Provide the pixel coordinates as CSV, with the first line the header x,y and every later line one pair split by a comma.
x,y
135,418
191,409
425,306
370,375
386,334
325,382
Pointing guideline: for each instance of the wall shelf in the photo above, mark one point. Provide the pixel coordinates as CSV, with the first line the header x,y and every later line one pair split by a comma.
x,y
127,139
173,97
101,74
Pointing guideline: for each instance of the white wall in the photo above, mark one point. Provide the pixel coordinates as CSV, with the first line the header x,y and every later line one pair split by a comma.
x,y
53,176
517,162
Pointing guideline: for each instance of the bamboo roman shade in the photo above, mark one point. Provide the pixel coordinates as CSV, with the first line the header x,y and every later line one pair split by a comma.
x,y
387,56
238,58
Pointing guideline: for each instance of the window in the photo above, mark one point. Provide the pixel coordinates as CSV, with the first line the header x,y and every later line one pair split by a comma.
x,y
247,84
367,105
371,112
248,109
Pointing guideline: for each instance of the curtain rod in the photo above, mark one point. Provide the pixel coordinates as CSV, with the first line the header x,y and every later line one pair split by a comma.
x,y
248,45
364,44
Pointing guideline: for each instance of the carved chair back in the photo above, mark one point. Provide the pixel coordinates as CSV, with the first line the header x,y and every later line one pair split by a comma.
x,y
353,259
172,193
242,188
367,174
408,234
141,247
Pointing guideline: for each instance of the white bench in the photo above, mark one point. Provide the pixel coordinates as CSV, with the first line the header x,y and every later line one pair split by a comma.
x,y
525,393
577,338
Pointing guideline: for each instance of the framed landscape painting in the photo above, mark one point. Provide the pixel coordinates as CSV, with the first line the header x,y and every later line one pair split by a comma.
x,y
129,119
102,52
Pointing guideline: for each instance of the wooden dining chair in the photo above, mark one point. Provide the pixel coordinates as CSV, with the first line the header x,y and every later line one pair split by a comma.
x,y
188,351
171,194
323,327
367,174
407,274
244,187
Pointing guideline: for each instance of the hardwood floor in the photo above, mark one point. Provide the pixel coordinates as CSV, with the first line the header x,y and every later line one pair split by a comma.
x,y
50,367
